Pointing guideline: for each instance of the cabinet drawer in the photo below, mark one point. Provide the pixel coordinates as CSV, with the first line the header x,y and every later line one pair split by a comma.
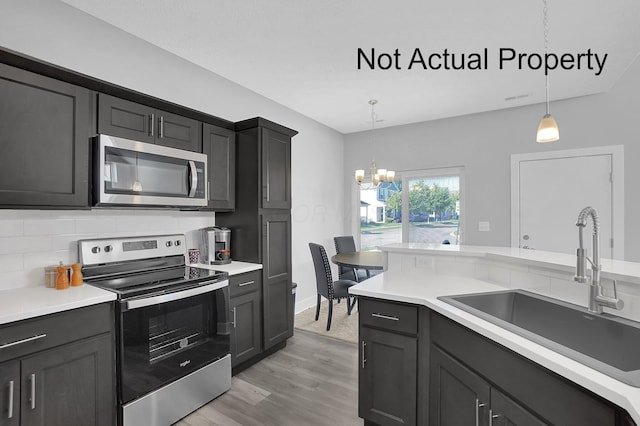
x,y
48,331
388,315
245,283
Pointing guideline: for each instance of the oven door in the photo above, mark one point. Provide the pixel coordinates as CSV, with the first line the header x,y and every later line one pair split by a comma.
x,y
165,337
136,173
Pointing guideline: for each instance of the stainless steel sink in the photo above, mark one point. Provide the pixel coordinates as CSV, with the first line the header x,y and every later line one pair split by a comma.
x,y
603,342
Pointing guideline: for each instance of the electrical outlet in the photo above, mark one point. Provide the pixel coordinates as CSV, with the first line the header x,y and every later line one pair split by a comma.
x,y
424,262
484,226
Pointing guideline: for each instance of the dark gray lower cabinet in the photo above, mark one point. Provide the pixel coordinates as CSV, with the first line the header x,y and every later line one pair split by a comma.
x,y
467,370
458,396
65,376
276,255
245,302
388,367
387,378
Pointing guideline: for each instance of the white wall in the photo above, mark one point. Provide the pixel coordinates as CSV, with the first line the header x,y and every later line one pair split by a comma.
x,y
57,33
483,143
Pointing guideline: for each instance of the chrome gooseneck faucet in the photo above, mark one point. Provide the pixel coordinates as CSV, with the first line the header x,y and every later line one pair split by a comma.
x,y
597,300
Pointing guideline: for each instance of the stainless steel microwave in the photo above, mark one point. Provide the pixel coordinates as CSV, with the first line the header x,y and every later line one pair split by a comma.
x,y
132,173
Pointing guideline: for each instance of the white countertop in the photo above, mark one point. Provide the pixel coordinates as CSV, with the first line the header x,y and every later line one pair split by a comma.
x,y
233,268
424,291
613,269
27,302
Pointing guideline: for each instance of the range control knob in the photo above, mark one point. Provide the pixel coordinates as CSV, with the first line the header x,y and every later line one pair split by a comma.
x,y
95,250
178,242
108,248
169,243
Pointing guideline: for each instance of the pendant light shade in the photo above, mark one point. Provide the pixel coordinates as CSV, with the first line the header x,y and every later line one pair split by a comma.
x,y
548,130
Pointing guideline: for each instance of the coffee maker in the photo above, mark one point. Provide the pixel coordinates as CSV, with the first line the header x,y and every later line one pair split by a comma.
x,y
216,245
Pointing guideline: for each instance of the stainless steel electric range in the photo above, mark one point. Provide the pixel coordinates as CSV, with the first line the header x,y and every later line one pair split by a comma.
x,y
172,330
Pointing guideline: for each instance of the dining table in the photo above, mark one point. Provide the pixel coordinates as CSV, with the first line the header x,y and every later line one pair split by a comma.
x,y
372,260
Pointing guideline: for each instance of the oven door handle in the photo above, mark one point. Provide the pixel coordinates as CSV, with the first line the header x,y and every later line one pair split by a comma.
x,y
170,297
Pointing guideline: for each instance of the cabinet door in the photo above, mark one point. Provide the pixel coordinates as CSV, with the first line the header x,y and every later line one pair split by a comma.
x,y
10,394
387,377
457,395
70,385
245,336
276,278
276,170
220,146
180,132
506,412
44,141
125,119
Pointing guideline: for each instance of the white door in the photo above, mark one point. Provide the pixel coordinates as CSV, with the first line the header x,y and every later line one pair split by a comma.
x,y
552,191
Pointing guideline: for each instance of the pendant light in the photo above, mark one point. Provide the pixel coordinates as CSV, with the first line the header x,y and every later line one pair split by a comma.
x,y
548,128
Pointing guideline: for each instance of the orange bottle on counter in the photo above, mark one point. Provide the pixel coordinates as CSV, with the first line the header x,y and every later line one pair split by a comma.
x,y
62,280
76,278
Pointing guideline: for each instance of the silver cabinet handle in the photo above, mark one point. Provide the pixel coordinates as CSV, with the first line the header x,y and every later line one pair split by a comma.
x,y
478,406
492,416
247,283
387,317
10,414
32,397
19,342
234,317
364,360
161,127
152,122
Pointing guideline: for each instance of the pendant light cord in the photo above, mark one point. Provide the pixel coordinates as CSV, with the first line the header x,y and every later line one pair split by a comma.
x,y
545,22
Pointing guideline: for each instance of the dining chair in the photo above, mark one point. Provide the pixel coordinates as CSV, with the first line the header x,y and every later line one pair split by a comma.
x,y
327,288
346,244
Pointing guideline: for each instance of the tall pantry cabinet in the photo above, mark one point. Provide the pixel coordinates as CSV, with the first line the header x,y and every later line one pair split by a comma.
x,y
261,222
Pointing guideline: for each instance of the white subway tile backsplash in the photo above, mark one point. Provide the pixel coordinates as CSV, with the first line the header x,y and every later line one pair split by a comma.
x,y
25,244
33,239
49,226
11,227
11,262
94,225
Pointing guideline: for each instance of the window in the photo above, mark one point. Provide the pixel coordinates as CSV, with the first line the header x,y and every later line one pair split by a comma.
x,y
429,211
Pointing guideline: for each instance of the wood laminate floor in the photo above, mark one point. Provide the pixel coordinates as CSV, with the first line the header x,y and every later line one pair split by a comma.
x,y
312,381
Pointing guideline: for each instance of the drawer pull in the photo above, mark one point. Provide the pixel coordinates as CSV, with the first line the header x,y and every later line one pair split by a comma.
x,y
19,342
364,360
32,397
247,283
10,414
386,317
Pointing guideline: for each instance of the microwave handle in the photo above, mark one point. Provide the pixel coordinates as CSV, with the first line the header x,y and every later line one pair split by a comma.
x,y
193,172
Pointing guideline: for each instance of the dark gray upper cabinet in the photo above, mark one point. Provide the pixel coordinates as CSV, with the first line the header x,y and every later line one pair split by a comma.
x,y
126,119
276,169
44,141
220,146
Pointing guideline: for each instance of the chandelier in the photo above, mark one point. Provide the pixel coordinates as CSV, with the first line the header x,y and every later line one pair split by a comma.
x,y
375,175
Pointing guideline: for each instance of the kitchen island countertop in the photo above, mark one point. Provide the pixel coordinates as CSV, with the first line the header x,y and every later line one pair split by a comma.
x,y
426,288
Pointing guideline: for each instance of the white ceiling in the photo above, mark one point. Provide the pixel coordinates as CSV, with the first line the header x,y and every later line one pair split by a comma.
x,y
303,53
